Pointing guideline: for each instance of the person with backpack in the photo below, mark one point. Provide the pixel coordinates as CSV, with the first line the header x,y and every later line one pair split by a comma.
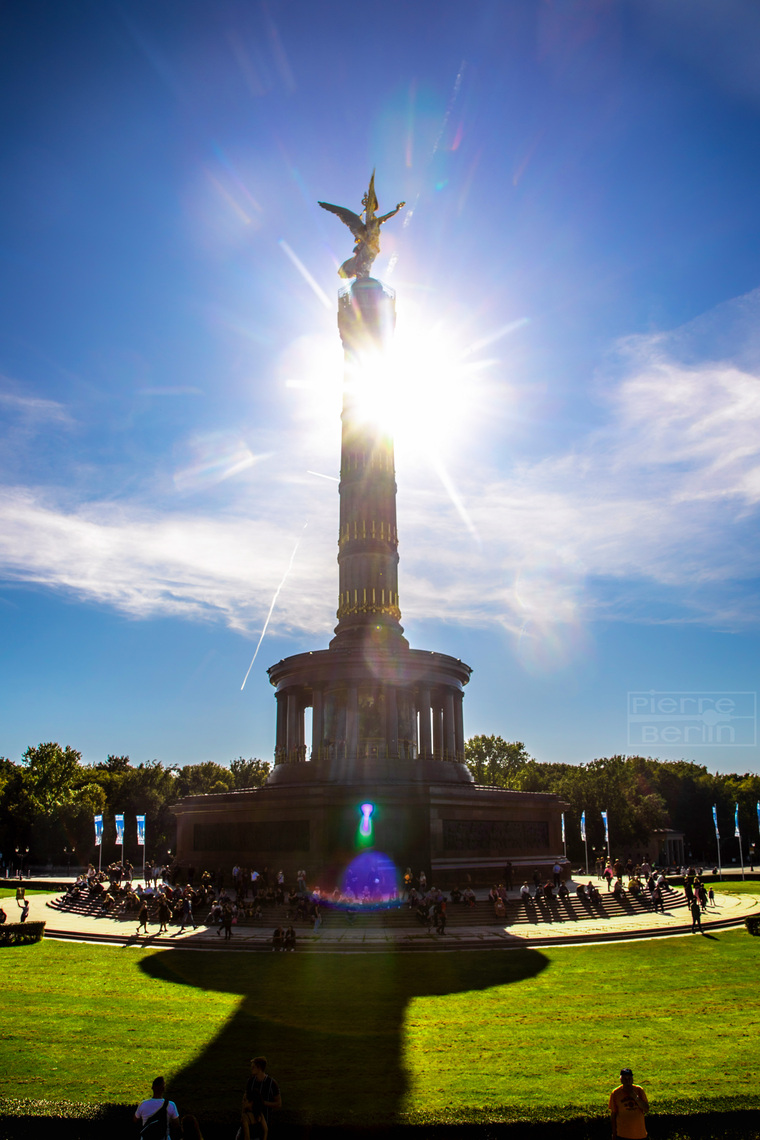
x,y
156,1114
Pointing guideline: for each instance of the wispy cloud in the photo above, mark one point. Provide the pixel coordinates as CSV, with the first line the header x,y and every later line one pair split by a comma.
x,y
147,564
651,516
33,408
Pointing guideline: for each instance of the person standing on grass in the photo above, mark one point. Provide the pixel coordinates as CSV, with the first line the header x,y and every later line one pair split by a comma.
x,y
628,1109
262,1089
156,1114
190,1128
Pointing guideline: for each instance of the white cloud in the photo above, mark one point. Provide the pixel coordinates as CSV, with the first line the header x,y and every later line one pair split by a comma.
x,y
650,517
33,409
145,563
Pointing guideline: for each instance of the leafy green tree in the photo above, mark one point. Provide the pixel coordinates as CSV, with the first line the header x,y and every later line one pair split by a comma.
x,y
612,784
149,790
76,816
203,779
249,773
48,784
17,810
114,763
51,771
495,761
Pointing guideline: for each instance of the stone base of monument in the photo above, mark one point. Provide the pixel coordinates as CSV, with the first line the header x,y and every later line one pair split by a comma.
x,y
364,832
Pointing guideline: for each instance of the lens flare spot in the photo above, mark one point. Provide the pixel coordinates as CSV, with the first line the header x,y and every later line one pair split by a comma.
x,y
365,827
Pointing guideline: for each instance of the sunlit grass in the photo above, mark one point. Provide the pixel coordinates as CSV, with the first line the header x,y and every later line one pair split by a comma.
x,y
422,1038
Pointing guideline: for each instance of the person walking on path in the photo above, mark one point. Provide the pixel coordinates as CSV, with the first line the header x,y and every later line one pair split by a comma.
x,y
440,916
142,917
628,1109
156,1114
226,922
696,915
187,915
164,914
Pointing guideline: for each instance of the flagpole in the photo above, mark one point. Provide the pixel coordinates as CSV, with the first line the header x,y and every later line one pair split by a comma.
x,y
141,838
119,820
98,821
738,835
717,840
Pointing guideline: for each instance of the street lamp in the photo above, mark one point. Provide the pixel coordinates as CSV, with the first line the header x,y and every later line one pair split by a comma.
x,y
22,852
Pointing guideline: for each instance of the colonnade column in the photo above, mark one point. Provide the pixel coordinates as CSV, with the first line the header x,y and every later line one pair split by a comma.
x,y
437,730
281,733
292,724
317,723
459,726
425,741
449,731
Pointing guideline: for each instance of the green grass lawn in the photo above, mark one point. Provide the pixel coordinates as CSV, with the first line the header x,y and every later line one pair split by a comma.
x,y
737,887
8,894
370,1039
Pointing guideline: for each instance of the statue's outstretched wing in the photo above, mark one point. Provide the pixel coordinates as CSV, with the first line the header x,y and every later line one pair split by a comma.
x,y
371,201
348,217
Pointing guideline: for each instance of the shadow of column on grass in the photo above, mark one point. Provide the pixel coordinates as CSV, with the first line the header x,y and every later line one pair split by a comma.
x,y
331,1026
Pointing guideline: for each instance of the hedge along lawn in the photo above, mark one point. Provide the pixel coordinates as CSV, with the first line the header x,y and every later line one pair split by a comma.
x,y
370,1039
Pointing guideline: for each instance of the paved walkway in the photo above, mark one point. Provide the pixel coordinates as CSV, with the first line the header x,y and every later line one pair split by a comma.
x,y
337,936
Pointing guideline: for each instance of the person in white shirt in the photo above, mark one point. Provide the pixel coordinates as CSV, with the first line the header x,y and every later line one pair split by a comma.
x,y
153,1106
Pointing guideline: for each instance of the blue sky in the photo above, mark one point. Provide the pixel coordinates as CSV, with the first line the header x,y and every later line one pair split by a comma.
x,y
576,375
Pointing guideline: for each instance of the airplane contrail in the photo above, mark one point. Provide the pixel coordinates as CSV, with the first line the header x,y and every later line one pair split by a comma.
x,y
271,608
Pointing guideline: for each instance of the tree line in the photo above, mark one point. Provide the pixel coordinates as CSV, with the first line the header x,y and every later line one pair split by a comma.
x,y
641,794
49,798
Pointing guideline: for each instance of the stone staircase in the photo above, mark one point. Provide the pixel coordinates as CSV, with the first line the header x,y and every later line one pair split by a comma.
x,y
398,916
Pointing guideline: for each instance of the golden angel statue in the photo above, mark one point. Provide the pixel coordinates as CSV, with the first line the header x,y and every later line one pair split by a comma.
x,y
367,232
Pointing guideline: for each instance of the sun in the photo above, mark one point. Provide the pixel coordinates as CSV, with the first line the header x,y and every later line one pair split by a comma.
x,y
416,392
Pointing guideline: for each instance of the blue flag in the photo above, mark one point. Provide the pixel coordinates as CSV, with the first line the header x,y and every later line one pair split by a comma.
x,y
737,833
606,828
119,821
563,822
583,827
715,821
140,830
98,830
